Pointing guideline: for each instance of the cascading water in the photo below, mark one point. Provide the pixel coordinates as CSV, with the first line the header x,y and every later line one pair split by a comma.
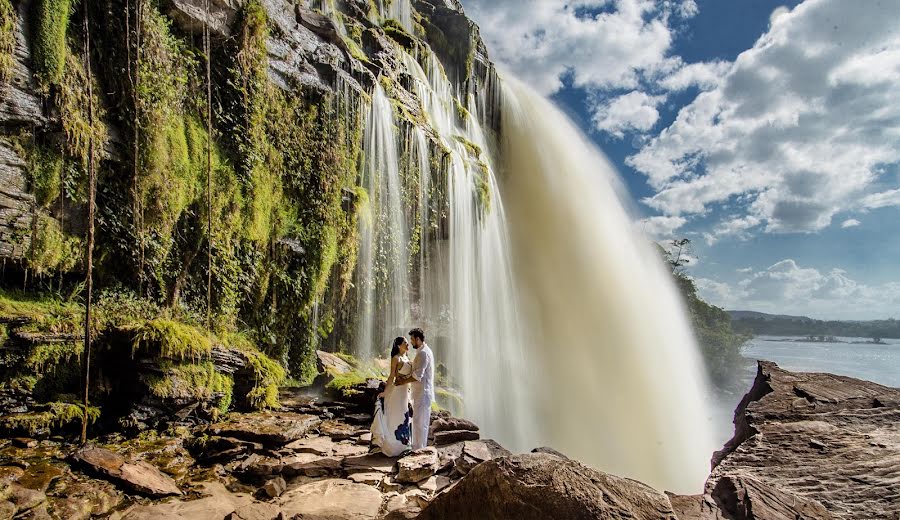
x,y
554,318
621,380
384,302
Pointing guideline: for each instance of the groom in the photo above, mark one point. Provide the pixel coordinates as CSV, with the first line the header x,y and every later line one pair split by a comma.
x,y
422,380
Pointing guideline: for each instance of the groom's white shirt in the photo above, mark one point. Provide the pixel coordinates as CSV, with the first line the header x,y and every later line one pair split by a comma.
x,y
423,372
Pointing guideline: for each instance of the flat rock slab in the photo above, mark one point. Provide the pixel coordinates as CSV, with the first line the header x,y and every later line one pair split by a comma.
x,y
368,463
140,476
331,500
308,464
268,428
803,439
453,424
445,437
418,466
218,504
338,430
319,445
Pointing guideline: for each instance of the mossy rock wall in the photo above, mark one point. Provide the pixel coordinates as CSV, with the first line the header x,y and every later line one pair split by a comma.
x,y
250,196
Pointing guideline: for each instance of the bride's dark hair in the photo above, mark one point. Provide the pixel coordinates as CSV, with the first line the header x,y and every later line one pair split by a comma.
x,y
397,342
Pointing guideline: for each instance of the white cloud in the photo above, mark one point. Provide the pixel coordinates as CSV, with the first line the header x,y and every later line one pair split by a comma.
x,y
632,111
542,41
788,288
849,223
703,75
881,200
661,227
799,128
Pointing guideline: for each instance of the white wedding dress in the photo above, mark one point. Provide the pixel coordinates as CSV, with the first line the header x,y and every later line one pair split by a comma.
x,y
392,427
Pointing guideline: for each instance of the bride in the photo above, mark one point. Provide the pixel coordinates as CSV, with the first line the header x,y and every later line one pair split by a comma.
x,y
392,427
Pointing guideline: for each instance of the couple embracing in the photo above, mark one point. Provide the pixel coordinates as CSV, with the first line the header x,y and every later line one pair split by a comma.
x,y
401,424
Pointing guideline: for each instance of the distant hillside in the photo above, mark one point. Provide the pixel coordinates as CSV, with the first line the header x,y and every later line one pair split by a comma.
x,y
760,323
745,315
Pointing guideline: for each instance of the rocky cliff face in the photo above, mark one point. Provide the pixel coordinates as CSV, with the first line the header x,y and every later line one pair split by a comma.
x,y
271,218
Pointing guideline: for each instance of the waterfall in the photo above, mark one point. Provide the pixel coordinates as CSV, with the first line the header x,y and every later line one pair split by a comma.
x,y
621,380
554,318
383,294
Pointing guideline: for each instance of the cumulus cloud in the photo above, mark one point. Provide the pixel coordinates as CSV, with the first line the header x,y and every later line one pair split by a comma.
x,y
703,75
629,112
849,223
599,44
789,288
799,128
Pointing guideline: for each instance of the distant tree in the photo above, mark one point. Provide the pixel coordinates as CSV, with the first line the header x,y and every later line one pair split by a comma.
x,y
719,344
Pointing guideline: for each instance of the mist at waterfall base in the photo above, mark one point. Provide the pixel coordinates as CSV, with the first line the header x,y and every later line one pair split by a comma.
x,y
555,320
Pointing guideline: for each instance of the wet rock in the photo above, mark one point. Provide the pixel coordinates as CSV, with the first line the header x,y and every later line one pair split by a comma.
x,y
39,476
140,476
539,486
24,442
418,466
218,449
70,508
853,471
451,436
268,428
7,510
331,499
24,498
273,488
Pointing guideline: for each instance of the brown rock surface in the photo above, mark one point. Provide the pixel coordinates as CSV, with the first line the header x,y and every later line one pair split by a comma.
x,y
331,499
418,466
139,476
812,445
269,428
540,486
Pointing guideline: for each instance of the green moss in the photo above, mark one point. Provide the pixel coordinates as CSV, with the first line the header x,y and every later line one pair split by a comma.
x,y
49,49
49,416
44,172
45,357
395,30
200,381
44,313
51,249
8,21
343,383
170,339
75,111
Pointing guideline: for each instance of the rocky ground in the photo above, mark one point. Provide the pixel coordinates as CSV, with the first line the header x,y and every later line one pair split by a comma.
x,y
811,446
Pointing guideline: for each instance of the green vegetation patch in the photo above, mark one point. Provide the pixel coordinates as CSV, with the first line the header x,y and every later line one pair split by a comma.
x,y
49,50
8,21
52,250
48,416
170,339
43,314
201,381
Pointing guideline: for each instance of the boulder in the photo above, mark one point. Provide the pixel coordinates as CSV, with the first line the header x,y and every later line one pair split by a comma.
x,y
331,363
139,476
418,466
540,486
273,488
450,436
331,500
453,424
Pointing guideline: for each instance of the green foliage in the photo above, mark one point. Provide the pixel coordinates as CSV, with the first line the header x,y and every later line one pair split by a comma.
x,y
790,326
8,20
46,357
200,381
73,101
50,416
170,339
46,314
51,249
49,49
44,173
267,375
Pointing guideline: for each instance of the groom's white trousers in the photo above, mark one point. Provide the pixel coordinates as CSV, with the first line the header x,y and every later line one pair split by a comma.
x,y
421,420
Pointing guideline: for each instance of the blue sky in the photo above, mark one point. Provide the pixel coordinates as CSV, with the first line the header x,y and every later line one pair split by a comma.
x,y
767,132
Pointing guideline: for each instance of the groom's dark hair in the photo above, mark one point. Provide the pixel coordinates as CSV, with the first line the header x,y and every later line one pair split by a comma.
x,y
417,333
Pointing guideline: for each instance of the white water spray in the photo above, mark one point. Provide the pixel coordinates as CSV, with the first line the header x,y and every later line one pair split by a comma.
x,y
621,381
